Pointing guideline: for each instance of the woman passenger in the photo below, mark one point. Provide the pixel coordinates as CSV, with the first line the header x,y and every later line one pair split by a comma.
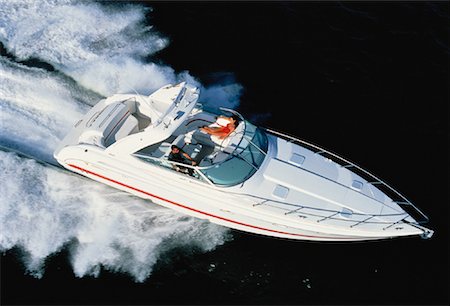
x,y
222,131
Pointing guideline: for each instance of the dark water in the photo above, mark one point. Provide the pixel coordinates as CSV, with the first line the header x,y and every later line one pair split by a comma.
x,y
368,81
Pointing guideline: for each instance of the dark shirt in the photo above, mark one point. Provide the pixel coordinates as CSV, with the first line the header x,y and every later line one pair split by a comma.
x,y
177,157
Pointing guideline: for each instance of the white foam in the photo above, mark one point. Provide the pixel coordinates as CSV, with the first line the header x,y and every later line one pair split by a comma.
x,y
86,40
36,109
99,47
42,209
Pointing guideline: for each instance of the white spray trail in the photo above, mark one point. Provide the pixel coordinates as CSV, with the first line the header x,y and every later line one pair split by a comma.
x,y
99,47
36,109
102,48
43,209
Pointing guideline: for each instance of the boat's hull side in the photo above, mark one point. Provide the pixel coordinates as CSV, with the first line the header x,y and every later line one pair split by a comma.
x,y
294,193
219,216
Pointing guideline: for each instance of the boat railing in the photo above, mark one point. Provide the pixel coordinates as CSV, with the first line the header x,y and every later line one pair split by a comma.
x,y
353,219
394,195
323,214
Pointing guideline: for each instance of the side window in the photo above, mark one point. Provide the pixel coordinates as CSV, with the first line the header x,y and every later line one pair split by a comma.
x,y
150,150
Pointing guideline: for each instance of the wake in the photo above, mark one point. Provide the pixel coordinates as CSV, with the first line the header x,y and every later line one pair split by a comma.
x,y
97,50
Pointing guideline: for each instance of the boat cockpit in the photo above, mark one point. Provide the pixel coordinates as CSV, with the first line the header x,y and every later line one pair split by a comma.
x,y
147,127
226,162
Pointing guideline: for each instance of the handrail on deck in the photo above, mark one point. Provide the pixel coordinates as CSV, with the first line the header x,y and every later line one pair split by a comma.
x,y
296,208
371,179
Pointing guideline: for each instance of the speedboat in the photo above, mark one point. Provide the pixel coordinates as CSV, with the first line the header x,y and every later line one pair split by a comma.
x,y
256,180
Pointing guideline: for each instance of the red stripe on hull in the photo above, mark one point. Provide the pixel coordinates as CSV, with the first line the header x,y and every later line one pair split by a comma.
x,y
202,212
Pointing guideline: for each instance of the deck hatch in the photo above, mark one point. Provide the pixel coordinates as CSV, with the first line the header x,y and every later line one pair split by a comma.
x,y
297,159
280,192
357,184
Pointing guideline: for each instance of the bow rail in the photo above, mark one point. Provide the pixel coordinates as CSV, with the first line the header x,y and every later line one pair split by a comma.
x,y
393,194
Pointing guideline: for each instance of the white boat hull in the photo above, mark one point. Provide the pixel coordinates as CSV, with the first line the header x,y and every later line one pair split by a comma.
x,y
294,194
217,206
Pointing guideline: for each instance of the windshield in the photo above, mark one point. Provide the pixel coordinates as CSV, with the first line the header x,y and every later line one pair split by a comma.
x,y
243,161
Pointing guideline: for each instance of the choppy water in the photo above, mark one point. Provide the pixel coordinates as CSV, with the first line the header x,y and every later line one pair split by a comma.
x,y
368,81
95,50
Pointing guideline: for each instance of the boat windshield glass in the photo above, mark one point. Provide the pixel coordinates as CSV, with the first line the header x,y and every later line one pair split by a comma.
x,y
243,161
